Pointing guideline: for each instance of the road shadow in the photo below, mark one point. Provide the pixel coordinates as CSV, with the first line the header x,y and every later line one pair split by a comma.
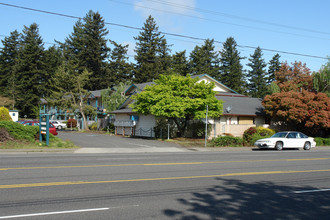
x,y
233,199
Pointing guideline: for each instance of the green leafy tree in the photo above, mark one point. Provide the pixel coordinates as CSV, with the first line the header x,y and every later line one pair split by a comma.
x,y
295,103
86,48
114,97
178,98
31,73
231,69
257,86
179,64
8,65
151,53
274,66
321,79
68,91
205,60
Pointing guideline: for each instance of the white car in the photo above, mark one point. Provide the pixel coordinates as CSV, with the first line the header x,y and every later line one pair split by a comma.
x,y
287,139
59,125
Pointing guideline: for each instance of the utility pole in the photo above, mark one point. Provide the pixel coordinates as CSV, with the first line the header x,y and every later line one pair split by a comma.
x,y
207,109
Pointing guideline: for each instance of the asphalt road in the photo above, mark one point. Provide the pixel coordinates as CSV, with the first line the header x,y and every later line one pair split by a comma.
x,y
189,185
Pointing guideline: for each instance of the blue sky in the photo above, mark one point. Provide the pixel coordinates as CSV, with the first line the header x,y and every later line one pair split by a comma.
x,y
295,26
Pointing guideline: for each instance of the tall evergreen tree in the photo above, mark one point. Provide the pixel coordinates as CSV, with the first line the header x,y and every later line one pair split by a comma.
x,y
151,53
8,64
274,66
232,74
32,76
205,60
179,63
53,59
86,48
120,70
257,86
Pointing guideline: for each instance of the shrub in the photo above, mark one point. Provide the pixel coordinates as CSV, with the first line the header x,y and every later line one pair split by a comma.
x,y
71,123
253,134
4,114
227,141
93,126
19,131
247,135
322,141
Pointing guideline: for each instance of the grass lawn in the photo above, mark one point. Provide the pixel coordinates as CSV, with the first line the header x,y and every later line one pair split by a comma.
x,y
54,143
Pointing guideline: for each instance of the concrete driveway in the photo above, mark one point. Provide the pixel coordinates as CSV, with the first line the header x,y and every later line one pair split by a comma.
x,y
102,143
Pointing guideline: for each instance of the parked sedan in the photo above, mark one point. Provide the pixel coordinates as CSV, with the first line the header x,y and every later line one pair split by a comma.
x,y
52,128
59,125
287,139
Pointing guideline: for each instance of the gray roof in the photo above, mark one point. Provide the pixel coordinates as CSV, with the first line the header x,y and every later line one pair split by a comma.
x,y
241,105
123,111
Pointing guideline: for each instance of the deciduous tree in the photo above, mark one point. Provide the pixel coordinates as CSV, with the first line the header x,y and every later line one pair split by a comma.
x,y
296,104
178,98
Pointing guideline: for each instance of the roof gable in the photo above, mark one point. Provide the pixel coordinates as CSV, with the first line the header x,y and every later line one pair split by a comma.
x,y
219,87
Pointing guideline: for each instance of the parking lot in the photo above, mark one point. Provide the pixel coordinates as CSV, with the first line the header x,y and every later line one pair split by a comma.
x,y
103,143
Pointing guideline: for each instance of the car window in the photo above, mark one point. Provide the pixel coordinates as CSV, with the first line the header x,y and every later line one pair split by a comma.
x,y
279,135
301,135
51,125
292,135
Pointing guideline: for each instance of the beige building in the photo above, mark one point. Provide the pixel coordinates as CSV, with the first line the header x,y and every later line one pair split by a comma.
x,y
239,113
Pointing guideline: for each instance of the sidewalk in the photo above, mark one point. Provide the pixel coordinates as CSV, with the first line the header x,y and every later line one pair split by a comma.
x,y
136,150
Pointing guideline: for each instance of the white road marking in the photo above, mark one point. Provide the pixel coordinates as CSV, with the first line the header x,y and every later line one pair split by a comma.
x,y
309,191
53,213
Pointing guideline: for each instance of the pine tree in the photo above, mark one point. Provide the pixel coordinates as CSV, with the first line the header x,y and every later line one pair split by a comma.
x,y
86,48
257,86
274,66
151,53
53,59
231,69
32,76
120,70
205,60
8,64
179,63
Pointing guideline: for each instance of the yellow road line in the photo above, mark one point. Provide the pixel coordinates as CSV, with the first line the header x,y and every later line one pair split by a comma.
x,y
155,179
159,164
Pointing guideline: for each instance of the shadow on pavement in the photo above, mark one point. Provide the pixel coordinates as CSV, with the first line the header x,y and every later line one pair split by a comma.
x,y
233,199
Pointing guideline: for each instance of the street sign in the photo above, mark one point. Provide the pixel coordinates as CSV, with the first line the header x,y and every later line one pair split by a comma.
x,y
44,127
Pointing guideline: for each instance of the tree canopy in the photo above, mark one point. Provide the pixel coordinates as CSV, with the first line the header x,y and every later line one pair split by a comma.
x,y
232,74
296,103
178,98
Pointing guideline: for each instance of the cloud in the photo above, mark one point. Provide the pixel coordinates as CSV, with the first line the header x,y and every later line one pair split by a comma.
x,y
167,13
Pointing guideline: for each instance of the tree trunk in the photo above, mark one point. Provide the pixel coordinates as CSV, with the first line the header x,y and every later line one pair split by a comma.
x,y
81,109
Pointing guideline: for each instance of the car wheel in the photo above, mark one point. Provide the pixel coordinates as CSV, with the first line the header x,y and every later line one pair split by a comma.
x,y
59,127
307,146
279,145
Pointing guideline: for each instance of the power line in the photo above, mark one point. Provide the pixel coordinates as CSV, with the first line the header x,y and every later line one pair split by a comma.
x,y
236,17
165,33
217,21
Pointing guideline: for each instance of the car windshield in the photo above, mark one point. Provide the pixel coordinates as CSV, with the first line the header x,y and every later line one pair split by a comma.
x,y
280,135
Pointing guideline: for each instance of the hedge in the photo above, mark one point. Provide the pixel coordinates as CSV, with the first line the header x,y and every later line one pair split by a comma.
x,y
227,141
19,131
322,141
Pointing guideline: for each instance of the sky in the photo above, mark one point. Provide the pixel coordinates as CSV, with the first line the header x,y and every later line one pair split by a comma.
x,y
296,29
